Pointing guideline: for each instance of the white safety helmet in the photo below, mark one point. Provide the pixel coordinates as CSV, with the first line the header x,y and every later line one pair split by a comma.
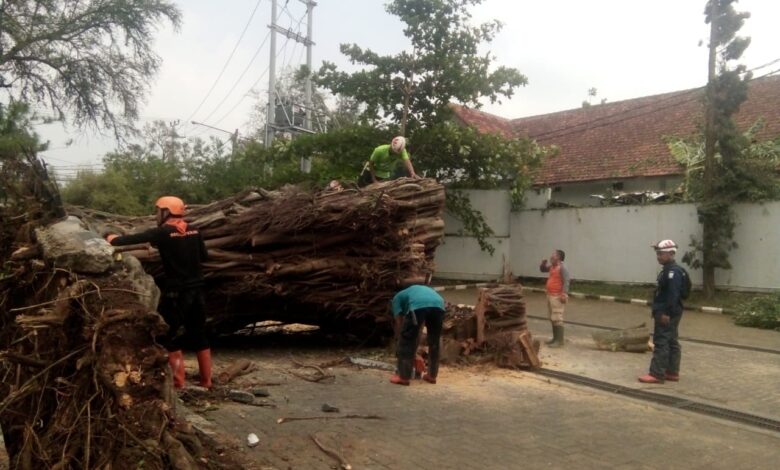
x,y
398,144
666,246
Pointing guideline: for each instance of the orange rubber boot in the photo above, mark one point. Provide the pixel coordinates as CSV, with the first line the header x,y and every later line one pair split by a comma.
x,y
204,366
176,361
396,379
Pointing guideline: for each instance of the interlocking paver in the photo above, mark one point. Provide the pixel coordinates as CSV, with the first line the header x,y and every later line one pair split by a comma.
x,y
733,378
486,419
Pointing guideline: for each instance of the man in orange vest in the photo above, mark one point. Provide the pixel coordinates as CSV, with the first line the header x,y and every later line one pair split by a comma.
x,y
557,294
182,251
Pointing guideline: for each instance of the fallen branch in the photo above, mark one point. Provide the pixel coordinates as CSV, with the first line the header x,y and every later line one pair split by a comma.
x,y
322,375
239,368
311,418
332,453
312,379
23,360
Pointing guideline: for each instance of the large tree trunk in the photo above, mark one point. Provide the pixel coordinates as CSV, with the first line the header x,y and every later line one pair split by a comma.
x,y
307,257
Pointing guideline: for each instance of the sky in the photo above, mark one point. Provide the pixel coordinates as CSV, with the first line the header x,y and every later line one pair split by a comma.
x,y
624,49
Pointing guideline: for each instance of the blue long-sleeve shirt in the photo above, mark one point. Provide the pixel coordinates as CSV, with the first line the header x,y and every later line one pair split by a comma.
x,y
668,293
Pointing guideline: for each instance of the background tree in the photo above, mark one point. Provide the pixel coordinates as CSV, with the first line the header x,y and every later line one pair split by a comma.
x,y
444,65
592,93
90,61
757,170
726,91
410,93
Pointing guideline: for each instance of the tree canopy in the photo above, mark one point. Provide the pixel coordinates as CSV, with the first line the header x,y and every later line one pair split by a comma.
x,y
443,65
90,61
727,169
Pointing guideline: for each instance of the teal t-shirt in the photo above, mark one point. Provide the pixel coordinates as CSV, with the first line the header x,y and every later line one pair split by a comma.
x,y
385,160
414,298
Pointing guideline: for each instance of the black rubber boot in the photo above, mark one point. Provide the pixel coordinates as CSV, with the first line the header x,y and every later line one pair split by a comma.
x,y
553,339
557,341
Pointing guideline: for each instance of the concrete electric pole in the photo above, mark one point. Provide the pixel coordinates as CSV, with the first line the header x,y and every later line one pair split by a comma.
x,y
307,41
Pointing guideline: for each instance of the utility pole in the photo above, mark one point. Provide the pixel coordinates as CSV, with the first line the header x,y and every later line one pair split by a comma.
x,y
173,136
270,118
709,126
708,270
271,111
310,4
309,14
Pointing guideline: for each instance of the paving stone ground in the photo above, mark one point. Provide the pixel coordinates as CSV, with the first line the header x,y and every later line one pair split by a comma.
x,y
487,418
481,419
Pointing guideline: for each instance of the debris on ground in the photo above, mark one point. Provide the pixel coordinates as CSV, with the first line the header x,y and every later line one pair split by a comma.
x,y
83,382
329,409
495,329
635,339
236,369
252,440
371,364
343,464
312,418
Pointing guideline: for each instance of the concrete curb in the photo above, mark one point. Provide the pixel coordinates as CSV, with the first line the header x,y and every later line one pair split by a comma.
x,y
579,295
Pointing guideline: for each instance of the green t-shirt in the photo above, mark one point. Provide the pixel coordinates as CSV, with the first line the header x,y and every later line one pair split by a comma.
x,y
385,160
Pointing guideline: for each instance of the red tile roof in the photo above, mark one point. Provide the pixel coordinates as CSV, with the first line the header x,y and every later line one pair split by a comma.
x,y
625,139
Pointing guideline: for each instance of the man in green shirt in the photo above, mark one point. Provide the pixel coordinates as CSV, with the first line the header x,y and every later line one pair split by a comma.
x,y
412,307
384,162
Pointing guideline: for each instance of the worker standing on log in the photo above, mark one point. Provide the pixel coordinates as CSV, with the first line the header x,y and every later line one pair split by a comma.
x,y
412,307
182,251
557,288
388,162
667,312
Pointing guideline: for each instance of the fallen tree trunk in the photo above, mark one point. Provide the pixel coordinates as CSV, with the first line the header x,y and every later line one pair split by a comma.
x,y
323,258
634,339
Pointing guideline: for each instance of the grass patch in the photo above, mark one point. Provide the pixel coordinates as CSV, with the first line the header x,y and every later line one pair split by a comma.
x,y
760,312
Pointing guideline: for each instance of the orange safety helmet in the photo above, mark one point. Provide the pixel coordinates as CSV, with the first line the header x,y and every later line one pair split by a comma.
x,y
174,205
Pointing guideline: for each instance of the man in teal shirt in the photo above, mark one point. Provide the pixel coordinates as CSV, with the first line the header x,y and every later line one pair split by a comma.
x,y
385,160
414,306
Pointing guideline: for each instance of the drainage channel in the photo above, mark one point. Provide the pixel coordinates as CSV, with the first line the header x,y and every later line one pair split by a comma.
x,y
682,338
666,400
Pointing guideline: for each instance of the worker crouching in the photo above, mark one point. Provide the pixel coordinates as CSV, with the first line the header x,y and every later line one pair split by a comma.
x,y
413,307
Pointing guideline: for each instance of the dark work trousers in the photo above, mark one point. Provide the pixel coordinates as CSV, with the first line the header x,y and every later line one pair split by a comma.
x,y
185,313
667,352
432,318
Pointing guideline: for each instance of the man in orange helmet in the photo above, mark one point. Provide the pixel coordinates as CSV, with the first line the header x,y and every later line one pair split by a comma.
x,y
182,251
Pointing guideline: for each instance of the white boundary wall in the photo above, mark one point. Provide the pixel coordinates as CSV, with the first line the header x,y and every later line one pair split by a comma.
x,y
609,244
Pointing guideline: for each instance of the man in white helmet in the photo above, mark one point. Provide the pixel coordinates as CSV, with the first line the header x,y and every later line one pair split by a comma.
x,y
667,311
386,160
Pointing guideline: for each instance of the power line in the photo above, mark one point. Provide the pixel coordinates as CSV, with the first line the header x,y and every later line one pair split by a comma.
x,y
765,65
284,45
238,80
227,62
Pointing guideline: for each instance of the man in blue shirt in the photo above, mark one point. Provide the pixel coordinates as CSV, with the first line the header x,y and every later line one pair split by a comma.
x,y
414,306
667,311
